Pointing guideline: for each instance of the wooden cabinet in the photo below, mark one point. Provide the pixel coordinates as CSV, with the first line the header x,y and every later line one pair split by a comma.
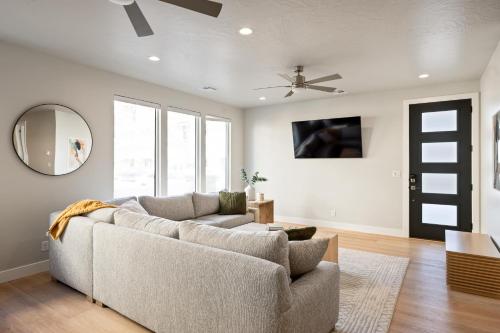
x,y
263,210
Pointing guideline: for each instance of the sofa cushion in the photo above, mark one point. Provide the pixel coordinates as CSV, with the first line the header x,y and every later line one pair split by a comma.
x,y
268,245
306,255
225,221
205,203
232,203
147,223
175,208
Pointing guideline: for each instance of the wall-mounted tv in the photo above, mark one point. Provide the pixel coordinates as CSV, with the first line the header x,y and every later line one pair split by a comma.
x,y
328,138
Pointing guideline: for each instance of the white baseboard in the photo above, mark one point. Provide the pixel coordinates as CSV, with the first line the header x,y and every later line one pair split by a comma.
x,y
344,226
23,271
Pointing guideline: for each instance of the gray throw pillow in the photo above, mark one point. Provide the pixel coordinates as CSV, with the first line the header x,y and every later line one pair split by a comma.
x,y
134,206
268,245
177,208
147,223
305,255
102,215
205,203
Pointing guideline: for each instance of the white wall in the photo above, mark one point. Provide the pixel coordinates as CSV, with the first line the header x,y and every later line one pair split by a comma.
x,y
362,191
29,78
490,104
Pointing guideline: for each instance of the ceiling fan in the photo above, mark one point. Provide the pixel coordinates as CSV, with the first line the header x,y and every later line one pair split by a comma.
x,y
299,82
140,23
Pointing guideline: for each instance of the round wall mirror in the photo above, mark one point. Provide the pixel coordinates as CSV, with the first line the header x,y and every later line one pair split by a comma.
x,y
52,139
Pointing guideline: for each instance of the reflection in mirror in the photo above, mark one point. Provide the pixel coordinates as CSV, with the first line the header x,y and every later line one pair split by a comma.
x,y
497,151
52,139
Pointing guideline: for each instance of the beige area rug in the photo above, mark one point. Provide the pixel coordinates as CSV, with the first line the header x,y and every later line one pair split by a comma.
x,y
369,288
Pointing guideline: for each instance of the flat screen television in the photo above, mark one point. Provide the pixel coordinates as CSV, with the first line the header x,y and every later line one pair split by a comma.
x,y
328,138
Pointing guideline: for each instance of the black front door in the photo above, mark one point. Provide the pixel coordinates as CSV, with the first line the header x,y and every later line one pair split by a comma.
x,y
440,183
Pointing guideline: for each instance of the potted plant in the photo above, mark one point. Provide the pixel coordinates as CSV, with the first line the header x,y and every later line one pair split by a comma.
x,y
250,189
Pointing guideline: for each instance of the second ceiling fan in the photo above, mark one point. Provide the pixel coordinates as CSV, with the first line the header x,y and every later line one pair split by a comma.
x,y
141,25
299,82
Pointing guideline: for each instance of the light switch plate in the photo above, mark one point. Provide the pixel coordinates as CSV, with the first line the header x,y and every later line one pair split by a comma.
x,y
396,173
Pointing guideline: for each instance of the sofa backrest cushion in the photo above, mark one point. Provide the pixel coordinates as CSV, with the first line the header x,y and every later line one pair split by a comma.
x,y
268,245
306,255
147,223
205,203
177,208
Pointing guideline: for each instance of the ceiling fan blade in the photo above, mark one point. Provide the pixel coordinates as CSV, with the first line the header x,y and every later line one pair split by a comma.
x,y
206,7
138,20
321,88
325,78
273,87
289,94
287,77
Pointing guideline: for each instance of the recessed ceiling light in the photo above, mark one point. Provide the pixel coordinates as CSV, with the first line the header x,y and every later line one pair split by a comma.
x,y
154,58
262,98
423,76
246,31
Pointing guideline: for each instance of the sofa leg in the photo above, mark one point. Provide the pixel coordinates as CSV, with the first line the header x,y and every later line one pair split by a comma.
x,y
99,303
89,298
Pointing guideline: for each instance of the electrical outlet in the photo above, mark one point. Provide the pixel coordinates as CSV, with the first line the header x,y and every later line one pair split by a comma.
x,y
396,173
333,212
44,247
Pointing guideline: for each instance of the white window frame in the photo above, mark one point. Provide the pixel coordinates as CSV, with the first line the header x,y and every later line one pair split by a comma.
x,y
228,149
161,144
158,112
164,150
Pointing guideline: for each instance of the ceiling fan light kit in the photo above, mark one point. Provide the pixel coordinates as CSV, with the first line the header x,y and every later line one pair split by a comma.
x,y
299,82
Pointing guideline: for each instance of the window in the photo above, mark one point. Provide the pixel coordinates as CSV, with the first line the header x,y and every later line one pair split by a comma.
x,y
163,152
182,160
217,133
134,148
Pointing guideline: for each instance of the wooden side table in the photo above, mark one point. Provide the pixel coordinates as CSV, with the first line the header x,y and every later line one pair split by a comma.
x,y
472,263
263,211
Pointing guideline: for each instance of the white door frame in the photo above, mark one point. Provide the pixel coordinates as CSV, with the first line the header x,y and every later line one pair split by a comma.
x,y
474,97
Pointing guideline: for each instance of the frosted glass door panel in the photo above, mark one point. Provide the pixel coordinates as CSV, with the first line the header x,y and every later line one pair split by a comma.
x,y
439,214
442,183
442,121
439,152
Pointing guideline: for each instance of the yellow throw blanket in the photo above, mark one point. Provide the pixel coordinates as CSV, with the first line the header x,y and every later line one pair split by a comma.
x,y
75,209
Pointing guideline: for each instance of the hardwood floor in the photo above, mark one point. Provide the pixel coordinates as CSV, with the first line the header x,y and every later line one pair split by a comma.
x,y
36,304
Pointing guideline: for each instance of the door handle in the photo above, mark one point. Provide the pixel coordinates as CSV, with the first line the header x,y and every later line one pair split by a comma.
x,y
413,182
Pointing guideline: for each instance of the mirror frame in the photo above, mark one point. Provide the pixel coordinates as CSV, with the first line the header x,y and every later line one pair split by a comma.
x,y
54,104
496,156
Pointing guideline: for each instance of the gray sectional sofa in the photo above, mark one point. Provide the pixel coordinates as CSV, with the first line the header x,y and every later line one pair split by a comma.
x,y
170,285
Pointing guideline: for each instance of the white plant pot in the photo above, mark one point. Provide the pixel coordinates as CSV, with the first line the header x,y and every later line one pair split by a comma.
x,y
250,191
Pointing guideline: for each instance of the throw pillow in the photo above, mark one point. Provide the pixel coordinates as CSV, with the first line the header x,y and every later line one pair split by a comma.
x,y
205,203
147,223
134,206
177,208
300,234
268,245
103,215
232,203
305,255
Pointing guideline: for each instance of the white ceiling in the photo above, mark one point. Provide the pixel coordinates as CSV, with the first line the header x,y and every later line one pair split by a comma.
x,y
374,44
